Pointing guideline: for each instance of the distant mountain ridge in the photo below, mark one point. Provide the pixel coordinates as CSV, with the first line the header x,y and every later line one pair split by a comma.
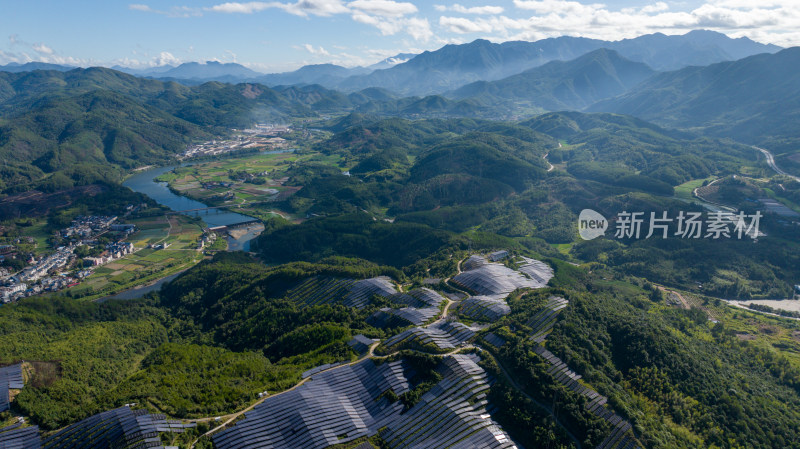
x,y
453,66
755,99
561,85
14,67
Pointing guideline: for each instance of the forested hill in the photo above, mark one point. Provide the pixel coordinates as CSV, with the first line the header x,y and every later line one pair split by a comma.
x,y
562,85
83,125
755,99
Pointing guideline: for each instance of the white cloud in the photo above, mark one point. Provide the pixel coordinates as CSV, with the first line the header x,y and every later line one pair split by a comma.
x,y
299,8
655,7
139,7
385,8
557,6
316,51
42,49
165,58
417,28
482,10
463,25
388,16
241,8
773,21
175,11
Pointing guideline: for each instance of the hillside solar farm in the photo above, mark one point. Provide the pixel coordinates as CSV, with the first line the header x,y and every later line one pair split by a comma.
x,y
345,402
353,401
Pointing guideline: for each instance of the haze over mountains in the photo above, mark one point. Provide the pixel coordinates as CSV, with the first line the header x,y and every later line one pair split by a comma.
x,y
453,66
749,99
560,85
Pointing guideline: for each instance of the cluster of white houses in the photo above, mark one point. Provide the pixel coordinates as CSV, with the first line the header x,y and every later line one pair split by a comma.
x,y
49,273
113,251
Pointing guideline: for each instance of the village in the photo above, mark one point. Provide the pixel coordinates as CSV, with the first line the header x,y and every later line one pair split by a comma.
x,y
262,136
88,242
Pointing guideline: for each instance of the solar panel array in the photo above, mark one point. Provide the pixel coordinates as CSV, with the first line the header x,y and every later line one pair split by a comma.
x,y
419,297
494,340
18,437
536,270
348,403
120,428
387,317
484,308
491,279
474,261
362,291
10,379
360,344
445,335
542,323
321,368
452,414
423,305
334,407
328,290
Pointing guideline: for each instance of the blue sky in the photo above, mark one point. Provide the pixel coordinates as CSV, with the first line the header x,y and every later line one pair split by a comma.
x,y
272,36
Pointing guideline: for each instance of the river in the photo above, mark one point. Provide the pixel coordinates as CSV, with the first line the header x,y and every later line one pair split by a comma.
x,y
145,183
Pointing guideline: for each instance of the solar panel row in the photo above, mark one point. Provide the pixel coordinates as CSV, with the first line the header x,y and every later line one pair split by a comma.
x,y
18,437
333,407
10,379
121,428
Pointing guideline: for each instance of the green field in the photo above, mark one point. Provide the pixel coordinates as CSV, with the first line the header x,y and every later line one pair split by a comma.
x,y
146,264
245,197
684,191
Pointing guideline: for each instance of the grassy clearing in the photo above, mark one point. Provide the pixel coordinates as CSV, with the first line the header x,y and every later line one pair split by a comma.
x,y
684,191
776,334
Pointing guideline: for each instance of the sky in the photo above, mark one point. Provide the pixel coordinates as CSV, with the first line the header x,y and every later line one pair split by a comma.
x,y
277,36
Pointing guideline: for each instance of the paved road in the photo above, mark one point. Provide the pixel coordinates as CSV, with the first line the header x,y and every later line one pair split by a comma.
x,y
771,163
548,162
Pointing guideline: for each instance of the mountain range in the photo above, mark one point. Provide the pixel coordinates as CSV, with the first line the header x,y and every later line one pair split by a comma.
x,y
559,85
54,118
755,99
455,65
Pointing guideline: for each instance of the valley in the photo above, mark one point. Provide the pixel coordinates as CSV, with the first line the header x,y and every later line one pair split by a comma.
x,y
392,256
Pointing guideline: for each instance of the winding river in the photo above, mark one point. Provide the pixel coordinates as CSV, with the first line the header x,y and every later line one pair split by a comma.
x,y
145,182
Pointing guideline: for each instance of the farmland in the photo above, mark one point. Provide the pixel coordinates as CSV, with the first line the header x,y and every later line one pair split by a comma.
x,y
243,183
179,233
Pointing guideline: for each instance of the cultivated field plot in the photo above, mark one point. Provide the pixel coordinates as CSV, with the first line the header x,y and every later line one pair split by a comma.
x,y
146,264
248,179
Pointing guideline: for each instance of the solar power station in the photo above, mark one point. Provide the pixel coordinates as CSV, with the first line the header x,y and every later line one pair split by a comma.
x,y
334,407
542,323
444,336
343,402
349,292
493,282
342,405
121,428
